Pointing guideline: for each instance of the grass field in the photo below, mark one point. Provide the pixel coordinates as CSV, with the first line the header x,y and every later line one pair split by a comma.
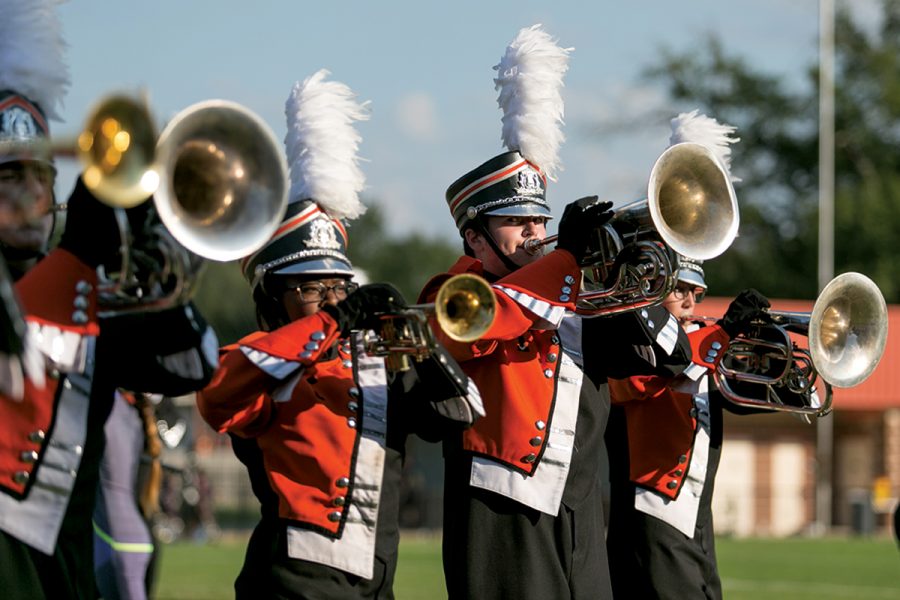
x,y
757,569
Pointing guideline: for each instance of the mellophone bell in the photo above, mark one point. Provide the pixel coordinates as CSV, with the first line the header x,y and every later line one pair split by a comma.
x,y
218,182
690,210
846,332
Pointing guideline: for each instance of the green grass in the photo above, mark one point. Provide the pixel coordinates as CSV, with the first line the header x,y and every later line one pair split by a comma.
x,y
757,569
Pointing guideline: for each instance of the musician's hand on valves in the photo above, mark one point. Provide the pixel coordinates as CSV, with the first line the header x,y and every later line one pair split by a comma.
x,y
579,221
91,231
747,307
362,308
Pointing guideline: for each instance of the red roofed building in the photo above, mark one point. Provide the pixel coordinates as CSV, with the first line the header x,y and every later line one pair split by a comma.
x,y
766,480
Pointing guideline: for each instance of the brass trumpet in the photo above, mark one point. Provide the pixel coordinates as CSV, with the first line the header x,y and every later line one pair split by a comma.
x,y
464,308
846,332
690,210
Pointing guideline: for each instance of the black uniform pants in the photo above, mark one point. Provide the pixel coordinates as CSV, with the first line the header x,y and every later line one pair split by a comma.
x,y
269,572
495,547
651,559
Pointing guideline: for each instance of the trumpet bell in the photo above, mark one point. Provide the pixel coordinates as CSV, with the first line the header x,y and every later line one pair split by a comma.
x,y
117,149
465,307
225,190
848,330
692,201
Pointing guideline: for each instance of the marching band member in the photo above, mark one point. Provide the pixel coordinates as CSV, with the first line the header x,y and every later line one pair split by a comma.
x,y
52,437
665,437
319,422
523,513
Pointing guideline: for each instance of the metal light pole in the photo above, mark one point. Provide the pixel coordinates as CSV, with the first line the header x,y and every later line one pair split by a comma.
x,y
825,425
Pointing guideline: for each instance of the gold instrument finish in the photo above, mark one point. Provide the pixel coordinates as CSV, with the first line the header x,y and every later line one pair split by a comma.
x,y
690,210
225,186
118,151
464,308
846,332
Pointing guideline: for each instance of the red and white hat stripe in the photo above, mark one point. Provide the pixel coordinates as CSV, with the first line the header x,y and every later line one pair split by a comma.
x,y
295,222
490,179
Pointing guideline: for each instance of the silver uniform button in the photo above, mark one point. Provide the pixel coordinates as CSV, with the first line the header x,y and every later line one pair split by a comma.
x,y
339,501
312,346
679,473
644,313
682,459
716,346
672,485
20,477
540,425
353,406
564,298
342,482
335,516
651,324
80,302
552,357
306,354
548,373
83,287
536,440
566,290
37,436
348,363
471,212
28,456
569,279
530,458
351,423
317,336
80,317
554,340
354,392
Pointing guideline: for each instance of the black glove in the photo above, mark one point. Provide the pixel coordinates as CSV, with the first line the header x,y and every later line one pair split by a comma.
x,y
361,309
91,232
579,221
749,305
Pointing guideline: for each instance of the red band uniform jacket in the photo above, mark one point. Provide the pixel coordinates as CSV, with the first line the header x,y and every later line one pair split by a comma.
x,y
542,370
51,441
669,432
321,426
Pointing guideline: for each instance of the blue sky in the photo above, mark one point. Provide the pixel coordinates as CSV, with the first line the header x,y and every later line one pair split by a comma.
x,y
426,67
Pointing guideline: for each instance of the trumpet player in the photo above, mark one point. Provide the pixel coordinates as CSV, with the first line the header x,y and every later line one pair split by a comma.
x,y
319,422
523,511
53,433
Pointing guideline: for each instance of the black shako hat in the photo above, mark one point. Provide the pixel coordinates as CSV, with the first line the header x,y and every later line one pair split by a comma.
x,y
321,145
21,122
505,185
308,242
34,77
529,79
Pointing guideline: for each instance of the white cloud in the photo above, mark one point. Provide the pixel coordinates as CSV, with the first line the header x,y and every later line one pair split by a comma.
x,y
416,117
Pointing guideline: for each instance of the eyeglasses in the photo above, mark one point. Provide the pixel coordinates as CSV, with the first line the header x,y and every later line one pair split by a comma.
x,y
680,292
316,291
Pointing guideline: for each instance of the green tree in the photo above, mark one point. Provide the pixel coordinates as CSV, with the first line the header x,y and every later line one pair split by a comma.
x,y
777,158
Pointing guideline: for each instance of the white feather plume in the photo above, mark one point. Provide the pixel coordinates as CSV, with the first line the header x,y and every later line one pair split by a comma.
x,y
700,129
530,80
32,53
321,145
